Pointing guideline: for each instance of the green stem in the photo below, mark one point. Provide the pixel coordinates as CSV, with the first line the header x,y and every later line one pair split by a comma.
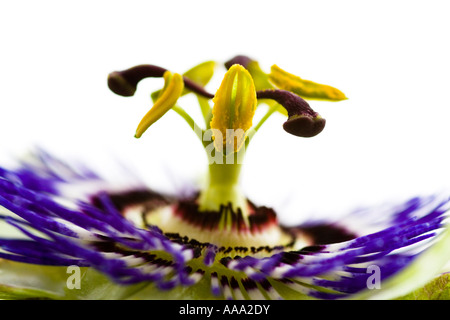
x,y
223,174
198,131
205,109
272,108
223,184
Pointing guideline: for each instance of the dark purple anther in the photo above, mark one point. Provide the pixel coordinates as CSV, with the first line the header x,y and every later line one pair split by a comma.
x,y
242,60
302,120
193,86
124,83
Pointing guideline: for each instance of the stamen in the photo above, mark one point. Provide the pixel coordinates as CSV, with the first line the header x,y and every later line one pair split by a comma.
x,y
260,78
240,59
201,73
172,91
193,86
234,107
302,120
124,83
199,76
304,88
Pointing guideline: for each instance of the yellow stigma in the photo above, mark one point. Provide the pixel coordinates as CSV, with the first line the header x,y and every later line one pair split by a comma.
x,y
234,108
304,88
173,88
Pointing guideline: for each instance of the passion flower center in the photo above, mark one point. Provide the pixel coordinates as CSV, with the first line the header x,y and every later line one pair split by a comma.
x,y
226,228
229,128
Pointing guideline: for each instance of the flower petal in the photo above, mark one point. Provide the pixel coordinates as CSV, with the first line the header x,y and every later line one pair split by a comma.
x,y
407,242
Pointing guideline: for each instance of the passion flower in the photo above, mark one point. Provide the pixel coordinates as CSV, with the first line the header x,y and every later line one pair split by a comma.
x,y
126,241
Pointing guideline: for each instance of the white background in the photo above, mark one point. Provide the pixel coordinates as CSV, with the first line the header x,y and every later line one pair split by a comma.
x,y
389,141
